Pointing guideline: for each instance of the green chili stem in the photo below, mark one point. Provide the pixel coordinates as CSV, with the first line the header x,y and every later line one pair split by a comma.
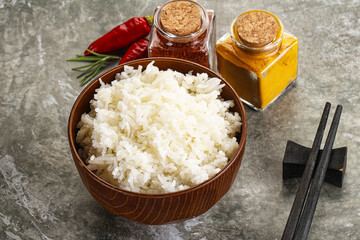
x,y
102,55
84,59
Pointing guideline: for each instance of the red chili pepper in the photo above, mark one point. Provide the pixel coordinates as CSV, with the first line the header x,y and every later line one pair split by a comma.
x,y
122,35
137,50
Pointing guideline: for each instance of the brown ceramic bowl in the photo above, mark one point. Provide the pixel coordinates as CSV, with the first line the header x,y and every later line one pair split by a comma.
x,y
157,208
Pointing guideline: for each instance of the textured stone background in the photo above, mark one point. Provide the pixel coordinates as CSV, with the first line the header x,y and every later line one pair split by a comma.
x,y
41,194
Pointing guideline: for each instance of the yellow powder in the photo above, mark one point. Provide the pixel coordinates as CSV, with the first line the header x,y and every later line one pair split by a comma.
x,y
258,79
260,74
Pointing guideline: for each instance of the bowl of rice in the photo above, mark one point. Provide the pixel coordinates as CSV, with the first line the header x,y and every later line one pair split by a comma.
x,y
158,140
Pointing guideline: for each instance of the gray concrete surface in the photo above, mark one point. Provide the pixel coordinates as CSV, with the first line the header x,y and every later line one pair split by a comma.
x,y
41,194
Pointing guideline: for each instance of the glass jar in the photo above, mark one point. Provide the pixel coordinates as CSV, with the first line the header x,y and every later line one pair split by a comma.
x,y
259,74
198,46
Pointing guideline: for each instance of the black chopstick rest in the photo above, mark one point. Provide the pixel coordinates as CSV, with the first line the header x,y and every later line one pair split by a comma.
x,y
296,157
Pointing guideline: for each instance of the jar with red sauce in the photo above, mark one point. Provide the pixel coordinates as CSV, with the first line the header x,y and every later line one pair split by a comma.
x,y
184,29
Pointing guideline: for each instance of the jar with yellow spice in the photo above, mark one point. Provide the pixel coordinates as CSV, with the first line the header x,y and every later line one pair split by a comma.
x,y
258,58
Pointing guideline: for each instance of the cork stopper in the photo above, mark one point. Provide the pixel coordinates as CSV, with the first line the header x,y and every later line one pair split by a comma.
x,y
257,29
181,18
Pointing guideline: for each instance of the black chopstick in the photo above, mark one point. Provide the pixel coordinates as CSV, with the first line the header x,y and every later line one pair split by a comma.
x,y
307,215
306,178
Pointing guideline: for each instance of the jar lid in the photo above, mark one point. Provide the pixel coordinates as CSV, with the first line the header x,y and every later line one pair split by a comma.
x,y
181,18
257,29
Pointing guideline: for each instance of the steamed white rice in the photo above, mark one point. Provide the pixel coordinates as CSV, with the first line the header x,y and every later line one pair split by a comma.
x,y
158,131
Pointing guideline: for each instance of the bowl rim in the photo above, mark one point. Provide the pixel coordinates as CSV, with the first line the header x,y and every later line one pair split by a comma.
x,y
72,138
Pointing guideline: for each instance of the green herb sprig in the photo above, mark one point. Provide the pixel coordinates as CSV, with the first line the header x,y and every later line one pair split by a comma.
x,y
91,69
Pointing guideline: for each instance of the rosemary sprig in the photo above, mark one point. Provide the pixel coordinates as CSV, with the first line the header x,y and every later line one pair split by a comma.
x,y
90,70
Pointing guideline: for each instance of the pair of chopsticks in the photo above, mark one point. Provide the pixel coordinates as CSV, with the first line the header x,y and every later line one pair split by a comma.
x,y
303,208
